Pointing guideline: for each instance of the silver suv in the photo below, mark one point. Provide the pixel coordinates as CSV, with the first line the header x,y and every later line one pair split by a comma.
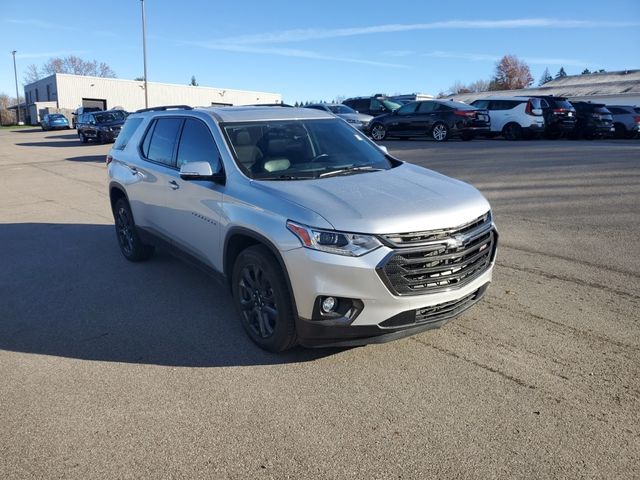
x,y
322,236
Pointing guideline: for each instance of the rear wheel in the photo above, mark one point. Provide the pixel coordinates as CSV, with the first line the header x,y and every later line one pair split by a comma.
x,y
512,131
378,132
99,138
82,136
130,244
440,132
621,130
262,299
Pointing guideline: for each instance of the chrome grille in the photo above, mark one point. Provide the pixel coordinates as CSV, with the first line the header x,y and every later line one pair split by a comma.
x,y
439,260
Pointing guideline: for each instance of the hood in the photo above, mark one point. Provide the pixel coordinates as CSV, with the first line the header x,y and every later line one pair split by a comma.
x,y
404,199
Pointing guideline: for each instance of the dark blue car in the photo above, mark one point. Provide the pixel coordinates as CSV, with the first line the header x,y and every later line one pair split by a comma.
x,y
54,121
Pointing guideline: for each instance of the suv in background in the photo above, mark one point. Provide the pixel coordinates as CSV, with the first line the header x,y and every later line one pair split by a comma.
x,y
322,237
594,120
438,119
559,115
101,126
348,114
79,111
374,105
626,120
513,117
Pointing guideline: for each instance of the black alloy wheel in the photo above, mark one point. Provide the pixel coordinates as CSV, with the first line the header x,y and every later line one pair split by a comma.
x,y
512,131
262,299
130,244
83,137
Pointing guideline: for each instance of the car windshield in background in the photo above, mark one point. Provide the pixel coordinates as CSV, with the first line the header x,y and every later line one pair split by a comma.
x,y
302,149
391,105
56,116
338,109
564,104
109,117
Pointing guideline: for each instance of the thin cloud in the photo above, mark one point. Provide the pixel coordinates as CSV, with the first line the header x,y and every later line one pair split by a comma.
x,y
288,52
298,35
43,24
482,57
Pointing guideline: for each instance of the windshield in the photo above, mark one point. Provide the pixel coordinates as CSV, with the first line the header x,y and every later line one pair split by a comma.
x,y
302,149
337,109
391,105
56,116
107,117
564,104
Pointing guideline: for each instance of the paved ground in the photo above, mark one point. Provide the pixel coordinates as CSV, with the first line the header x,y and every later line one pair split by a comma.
x,y
114,370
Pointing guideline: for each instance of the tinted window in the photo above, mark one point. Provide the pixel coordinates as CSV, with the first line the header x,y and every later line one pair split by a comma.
x,y
426,107
163,140
504,104
408,108
441,107
544,103
563,104
127,132
617,111
376,106
341,109
481,103
197,145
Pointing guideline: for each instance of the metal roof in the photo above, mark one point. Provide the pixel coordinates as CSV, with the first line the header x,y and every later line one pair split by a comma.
x,y
595,84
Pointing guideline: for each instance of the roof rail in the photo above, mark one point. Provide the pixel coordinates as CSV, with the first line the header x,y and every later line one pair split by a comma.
x,y
166,107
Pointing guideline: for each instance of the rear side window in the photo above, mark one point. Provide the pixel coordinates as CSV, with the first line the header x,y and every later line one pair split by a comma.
x,y
197,145
408,108
426,107
563,104
130,127
162,140
504,104
481,104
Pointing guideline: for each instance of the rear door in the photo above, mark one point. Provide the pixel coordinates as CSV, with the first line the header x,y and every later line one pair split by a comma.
x,y
403,121
425,118
156,173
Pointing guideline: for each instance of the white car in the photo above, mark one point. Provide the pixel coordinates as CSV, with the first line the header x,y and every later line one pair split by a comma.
x,y
514,117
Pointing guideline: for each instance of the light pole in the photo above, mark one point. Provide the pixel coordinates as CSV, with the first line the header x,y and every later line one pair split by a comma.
x,y
144,55
15,74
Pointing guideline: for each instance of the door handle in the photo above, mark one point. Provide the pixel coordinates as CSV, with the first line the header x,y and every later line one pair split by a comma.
x,y
174,185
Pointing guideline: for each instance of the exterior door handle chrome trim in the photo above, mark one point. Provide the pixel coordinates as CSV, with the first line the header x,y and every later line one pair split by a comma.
x,y
174,185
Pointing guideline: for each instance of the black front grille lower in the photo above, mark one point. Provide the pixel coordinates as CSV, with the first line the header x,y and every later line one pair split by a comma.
x,y
448,260
435,313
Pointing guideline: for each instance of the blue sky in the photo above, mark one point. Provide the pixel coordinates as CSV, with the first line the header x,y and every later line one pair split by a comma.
x,y
311,50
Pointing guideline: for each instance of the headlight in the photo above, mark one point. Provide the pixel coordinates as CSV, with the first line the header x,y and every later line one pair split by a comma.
x,y
331,241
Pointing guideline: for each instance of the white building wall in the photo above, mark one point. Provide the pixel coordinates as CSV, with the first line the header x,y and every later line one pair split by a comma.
x,y
129,94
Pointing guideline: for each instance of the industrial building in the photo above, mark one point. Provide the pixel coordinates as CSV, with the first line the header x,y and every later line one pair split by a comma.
x,y
611,88
64,93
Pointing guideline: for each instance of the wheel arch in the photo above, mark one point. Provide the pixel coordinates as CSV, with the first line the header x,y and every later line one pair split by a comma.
x,y
116,192
239,239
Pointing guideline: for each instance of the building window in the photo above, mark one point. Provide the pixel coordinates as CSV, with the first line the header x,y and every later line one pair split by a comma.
x,y
37,96
48,93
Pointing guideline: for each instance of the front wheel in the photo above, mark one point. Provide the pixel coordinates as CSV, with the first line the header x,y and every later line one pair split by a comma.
x,y
378,132
83,138
128,239
440,132
262,300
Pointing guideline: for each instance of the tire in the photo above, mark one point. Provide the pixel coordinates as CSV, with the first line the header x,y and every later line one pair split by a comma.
x,y
621,131
512,131
83,138
128,239
262,299
440,132
378,132
99,138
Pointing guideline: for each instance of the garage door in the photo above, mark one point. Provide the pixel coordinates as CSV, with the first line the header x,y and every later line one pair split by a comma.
x,y
94,102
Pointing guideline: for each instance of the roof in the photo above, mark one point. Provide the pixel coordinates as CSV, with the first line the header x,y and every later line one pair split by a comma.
x,y
594,84
257,113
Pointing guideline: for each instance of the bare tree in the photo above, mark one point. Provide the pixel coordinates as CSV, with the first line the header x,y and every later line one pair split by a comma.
x,y
511,74
31,74
479,86
71,64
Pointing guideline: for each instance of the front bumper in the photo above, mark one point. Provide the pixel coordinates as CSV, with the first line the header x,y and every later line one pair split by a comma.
x,y
385,316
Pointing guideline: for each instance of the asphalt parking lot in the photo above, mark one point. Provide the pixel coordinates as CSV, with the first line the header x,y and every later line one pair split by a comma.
x,y
116,370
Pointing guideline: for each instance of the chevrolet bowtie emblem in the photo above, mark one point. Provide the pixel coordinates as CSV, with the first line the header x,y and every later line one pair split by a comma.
x,y
456,242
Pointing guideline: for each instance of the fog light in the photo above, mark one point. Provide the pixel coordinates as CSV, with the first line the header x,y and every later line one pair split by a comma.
x,y
329,304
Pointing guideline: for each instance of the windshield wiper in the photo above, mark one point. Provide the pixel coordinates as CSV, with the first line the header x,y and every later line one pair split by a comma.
x,y
287,177
348,170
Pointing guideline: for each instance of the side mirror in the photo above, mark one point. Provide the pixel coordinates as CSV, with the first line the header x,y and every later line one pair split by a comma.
x,y
384,149
200,171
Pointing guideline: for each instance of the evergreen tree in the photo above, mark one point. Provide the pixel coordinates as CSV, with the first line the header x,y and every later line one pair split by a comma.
x,y
546,77
586,71
561,73
193,83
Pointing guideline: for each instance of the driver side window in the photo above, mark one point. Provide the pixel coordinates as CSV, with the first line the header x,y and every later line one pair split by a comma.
x,y
197,145
407,109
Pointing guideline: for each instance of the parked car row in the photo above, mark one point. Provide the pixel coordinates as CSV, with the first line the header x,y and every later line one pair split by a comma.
x,y
512,117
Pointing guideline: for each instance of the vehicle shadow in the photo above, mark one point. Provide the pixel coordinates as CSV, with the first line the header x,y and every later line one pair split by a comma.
x,y
27,130
88,158
65,290
67,136
59,143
